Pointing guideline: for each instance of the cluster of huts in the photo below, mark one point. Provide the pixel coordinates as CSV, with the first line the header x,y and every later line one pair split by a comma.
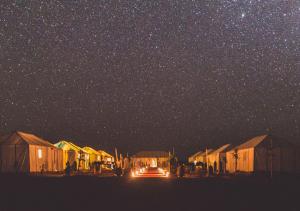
x,y
263,153
27,153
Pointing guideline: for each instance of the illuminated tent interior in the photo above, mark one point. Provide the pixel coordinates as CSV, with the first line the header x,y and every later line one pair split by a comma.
x,y
263,153
151,159
23,152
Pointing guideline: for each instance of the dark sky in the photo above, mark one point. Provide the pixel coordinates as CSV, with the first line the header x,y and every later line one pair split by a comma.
x,y
150,74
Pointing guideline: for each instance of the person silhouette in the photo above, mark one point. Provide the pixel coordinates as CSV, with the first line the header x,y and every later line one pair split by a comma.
x,y
68,169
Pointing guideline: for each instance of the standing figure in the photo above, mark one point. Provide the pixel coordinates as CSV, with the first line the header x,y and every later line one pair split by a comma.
x,y
68,169
215,167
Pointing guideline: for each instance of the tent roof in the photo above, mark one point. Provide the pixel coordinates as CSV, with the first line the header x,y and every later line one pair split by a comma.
x,y
72,146
204,153
223,148
105,153
151,154
91,150
258,140
196,154
252,142
17,137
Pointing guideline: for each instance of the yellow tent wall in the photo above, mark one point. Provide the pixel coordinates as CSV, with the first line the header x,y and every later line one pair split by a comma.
x,y
200,158
69,155
230,161
46,158
218,158
72,153
214,157
94,156
107,158
191,159
243,163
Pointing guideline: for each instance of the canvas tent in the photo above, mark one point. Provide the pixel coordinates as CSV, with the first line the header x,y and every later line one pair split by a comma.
x,y
94,156
263,154
217,159
192,158
151,159
106,157
74,154
27,153
200,157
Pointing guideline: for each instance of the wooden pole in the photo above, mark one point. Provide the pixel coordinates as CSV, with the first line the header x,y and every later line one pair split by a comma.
x,y
117,159
271,151
16,167
207,167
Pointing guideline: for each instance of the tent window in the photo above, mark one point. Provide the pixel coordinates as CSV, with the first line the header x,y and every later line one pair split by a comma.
x,y
40,153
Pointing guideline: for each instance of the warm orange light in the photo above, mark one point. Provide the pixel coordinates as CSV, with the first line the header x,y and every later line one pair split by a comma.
x,y
40,153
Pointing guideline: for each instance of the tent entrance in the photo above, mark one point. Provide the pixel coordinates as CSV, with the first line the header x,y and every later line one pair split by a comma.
x,y
153,162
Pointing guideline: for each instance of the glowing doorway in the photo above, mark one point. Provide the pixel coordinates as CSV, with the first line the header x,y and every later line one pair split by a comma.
x,y
153,162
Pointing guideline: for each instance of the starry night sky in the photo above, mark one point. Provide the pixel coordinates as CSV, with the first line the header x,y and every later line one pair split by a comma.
x,y
147,74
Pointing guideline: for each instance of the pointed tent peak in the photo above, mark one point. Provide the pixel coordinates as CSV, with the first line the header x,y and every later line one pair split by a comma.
x,y
152,154
91,150
12,133
196,154
223,148
202,152
34,140
12,138
63,143
102,152
208,151
252,142
17,137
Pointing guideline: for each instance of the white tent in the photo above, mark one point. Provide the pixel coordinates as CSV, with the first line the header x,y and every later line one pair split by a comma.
x,y
217,158
23,152
151,159
193,157
200,157
263,153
